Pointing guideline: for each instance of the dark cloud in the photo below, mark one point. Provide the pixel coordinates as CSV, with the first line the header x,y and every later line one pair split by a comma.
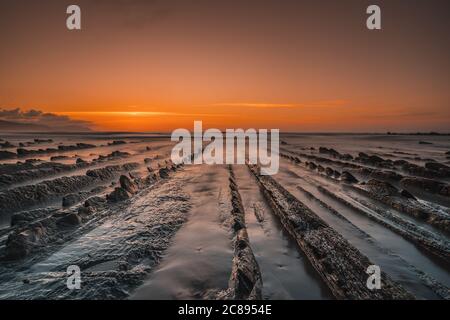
x,y
35,117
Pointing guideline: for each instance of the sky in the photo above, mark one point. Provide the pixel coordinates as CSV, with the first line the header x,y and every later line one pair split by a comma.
x,y
158,65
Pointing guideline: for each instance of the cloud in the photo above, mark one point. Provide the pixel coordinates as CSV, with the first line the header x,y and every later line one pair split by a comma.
x,y
42,119
322,104
144,114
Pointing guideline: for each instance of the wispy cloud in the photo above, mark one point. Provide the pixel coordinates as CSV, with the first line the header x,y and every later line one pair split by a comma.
x,y
314,104
400,114
140,114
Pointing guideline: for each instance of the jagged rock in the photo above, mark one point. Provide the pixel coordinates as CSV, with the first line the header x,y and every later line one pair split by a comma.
x,y
372,160
330,152
32,161
18,218
79,146
135,174
400,162
119,154
19,198
405,202
428,185
245,280
380,174
149,179
56,158
24,217
348,177
329,171
407,194
33,169
164,173
7,144
436,166
347,157
328,251
71,199
116,142
376,159
86,211
389,175
98,189
79,160
71,219
109,171
312,166
43,140
382,188
119,194
363,155
416,170
128,185
114,154
24,152
19,244
94,201
7,155
441,223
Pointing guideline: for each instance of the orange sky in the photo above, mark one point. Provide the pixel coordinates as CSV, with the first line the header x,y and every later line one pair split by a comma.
x,y
158,65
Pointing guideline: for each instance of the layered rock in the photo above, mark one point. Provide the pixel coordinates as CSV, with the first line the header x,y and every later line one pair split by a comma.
x,y
341,266
21,197
21,152
245,281
405,202
427,185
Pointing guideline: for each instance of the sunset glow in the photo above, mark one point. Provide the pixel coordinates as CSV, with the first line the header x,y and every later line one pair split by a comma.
x,y
217,158
160,65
